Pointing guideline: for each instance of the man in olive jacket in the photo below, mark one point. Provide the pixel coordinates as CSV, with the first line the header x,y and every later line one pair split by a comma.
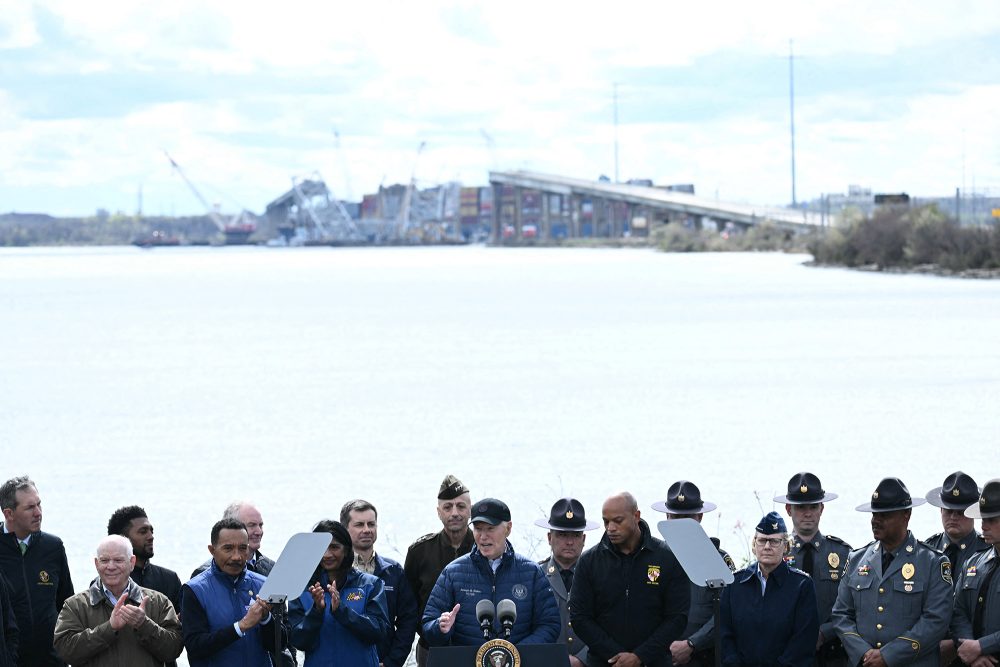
x,y
115,621
630,596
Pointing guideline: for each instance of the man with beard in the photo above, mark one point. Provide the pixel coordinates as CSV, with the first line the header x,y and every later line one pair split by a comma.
x,y
975,626
895,598
428,556
132,523
630,596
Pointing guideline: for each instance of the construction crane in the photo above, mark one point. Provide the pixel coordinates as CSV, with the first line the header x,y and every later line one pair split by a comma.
x,y
237,230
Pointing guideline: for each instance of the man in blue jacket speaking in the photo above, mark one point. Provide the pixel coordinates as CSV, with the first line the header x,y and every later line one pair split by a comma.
x,y
492,571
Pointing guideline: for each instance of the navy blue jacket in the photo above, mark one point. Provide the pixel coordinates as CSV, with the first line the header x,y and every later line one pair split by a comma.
x,y
8,627
210,604
39,583
779,627
469,579
347,636
404,617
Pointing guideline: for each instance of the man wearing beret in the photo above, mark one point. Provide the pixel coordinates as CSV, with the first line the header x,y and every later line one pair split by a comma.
x,y
567,524
975,625
696,646
427,557
959,540
895,599
820,556
630,597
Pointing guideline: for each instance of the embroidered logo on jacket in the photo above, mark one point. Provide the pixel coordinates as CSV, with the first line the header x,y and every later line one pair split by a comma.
x,y
653,574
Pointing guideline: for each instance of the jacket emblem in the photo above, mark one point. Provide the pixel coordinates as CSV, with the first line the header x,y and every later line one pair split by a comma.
x,y
653,574
354,596
43,577
519,591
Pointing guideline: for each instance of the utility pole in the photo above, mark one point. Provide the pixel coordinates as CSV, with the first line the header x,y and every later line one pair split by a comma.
x,y
791,108
615,98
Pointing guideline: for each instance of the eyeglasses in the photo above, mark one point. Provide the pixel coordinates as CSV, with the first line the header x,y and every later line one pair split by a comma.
x,y
771,541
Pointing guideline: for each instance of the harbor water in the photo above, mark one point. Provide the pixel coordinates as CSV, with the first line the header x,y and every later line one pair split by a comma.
x,y
180,379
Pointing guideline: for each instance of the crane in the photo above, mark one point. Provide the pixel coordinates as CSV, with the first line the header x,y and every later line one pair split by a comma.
x,y
237,230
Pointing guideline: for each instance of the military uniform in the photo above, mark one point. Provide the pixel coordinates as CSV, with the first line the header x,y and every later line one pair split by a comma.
x,y
964,550
829,557
567,635
700,630
904,612
968,593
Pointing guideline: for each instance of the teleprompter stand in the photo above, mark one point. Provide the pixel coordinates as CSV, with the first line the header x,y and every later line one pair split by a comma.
x,y
702,564
290,576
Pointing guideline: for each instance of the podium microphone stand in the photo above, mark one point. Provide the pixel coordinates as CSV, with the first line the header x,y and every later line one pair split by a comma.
x,y
289,577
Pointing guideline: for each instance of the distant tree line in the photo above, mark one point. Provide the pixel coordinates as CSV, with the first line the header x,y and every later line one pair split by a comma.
x,y
900,237
20,229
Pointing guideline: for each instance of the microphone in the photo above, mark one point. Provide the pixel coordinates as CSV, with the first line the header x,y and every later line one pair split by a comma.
x,y
507,612
484,614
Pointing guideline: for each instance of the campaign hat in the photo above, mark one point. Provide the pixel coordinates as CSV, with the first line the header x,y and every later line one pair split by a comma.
x,y
804,488
890,495
490,510
988,506
958,492
567,515
684,497
451,488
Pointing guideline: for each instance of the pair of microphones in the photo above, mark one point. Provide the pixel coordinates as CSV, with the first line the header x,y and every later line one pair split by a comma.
x,y
505,610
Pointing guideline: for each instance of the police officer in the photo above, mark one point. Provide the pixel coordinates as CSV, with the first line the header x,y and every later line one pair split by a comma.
x,y
975,626
426,558
820,556
768,615
895,597
567,524
696,645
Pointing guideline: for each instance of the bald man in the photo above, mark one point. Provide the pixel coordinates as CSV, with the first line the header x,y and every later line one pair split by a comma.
x,y
630,596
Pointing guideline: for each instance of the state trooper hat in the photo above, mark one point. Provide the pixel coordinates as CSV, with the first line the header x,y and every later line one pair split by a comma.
x,y
989,502
958,492
683,497
567,515
451,488
490,510
804,488
890,495
771,524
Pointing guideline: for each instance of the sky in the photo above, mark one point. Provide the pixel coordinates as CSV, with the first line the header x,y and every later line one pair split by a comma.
x,y
895,96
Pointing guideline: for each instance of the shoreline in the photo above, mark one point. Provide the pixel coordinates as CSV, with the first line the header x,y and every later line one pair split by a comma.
x,y
920,269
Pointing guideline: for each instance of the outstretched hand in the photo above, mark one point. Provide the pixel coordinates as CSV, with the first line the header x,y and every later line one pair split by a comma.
x,y
447,619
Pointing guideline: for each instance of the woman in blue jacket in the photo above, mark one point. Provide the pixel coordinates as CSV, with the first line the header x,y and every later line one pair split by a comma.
x,y
342,616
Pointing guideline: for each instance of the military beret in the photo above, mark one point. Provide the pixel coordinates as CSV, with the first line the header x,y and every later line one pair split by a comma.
x,y
451,488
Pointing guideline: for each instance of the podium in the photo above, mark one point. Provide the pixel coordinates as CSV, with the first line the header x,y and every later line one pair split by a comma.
x,y
532,655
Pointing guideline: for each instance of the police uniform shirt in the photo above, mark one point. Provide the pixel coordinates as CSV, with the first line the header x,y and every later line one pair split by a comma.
x,y
964,548
829,557
904,612
969,590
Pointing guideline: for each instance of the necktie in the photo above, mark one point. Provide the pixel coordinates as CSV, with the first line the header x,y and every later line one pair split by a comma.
x,y
886,561
24,547
984,589
951,551
567,577
807,553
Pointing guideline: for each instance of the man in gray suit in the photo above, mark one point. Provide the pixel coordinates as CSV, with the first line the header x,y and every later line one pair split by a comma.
x,y
567,524
895,599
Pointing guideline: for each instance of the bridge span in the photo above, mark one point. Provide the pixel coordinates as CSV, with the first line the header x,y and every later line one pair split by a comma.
x,y
534,205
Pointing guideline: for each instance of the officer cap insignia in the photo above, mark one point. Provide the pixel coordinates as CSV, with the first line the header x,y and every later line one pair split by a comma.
x,y
982,501
908,571
680,498
946,571
804,488
875,496
569,514
834,560
956,492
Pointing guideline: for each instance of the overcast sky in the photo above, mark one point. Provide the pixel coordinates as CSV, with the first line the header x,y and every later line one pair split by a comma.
x,y
896,96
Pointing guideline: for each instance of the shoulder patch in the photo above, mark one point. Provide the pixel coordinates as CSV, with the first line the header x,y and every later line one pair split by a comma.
x,y
946,571
728,560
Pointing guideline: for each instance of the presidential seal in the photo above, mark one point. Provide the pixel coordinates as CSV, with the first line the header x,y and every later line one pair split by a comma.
x,y
498,653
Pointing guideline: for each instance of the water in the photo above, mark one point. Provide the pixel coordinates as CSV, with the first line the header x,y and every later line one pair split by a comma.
x,y
182,379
